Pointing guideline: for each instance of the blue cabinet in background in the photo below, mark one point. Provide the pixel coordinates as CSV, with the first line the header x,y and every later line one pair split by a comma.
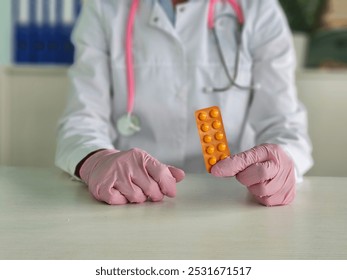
x,y
42,31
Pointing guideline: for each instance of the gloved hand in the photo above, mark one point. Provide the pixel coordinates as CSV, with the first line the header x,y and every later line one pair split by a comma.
x,y
130,176
266,170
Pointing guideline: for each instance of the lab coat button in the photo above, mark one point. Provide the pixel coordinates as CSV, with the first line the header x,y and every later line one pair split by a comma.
x,y
155,19
182,9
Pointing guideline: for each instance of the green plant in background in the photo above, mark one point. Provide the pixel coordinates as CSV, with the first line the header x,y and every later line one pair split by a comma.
x,y
327,48
303,15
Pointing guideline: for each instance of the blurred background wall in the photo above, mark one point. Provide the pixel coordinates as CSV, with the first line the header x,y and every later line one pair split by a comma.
x,y
5,27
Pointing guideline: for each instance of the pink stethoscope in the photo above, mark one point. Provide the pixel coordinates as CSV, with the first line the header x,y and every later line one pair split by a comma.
x,y
129,123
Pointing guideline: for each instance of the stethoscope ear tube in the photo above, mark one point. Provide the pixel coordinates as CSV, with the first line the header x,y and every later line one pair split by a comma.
x,y
232,80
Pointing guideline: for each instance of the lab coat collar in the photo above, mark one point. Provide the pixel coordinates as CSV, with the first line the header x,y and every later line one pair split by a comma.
x,y
158,19
169,9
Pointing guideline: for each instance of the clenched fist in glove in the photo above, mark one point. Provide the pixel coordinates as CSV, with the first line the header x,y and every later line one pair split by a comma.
x,y
266,170
131,176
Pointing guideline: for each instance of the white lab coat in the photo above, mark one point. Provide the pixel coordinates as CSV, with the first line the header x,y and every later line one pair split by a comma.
x,y
172,66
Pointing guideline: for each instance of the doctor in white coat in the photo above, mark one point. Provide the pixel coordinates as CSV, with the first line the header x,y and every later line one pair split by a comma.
x,y
142,67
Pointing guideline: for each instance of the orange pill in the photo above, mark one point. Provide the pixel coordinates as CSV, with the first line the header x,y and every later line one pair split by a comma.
x,y
205,127
212,161
216,124
219,135
214,113
202,116
223,156
207,138
221,147
210,149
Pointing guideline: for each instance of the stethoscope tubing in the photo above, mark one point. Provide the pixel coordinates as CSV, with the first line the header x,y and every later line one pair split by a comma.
x,y
129,56
211,14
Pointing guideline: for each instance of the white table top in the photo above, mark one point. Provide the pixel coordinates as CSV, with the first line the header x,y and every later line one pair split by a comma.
x,y
45,215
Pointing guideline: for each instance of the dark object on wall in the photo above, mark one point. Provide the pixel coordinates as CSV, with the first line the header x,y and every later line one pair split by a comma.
x,y
328,49
304,15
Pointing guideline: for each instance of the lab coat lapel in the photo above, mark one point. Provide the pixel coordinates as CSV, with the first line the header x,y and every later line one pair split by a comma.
x,y
159,20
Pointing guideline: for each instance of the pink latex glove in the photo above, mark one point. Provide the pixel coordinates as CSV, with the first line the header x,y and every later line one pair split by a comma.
x,y
130,176
266,170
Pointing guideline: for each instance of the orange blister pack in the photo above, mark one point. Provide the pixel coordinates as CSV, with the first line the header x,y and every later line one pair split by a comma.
x,y
212,136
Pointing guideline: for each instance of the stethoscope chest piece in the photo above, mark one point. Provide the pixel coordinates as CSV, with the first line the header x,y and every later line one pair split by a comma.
x,y
128,125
